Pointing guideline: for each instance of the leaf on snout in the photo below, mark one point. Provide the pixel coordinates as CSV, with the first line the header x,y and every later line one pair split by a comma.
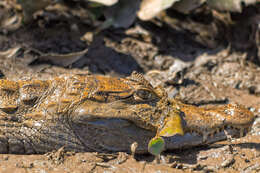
x,y
173,126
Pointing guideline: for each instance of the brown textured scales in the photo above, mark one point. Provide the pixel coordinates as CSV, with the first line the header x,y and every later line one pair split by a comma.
x,y
100,113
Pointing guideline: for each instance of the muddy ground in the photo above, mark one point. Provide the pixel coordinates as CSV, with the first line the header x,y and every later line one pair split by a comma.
x,y
199,70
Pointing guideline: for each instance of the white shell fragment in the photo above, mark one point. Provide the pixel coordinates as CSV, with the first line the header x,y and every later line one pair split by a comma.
x,y
150,8
105,2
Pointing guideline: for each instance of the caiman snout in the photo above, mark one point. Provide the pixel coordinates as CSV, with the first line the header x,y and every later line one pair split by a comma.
x,y
213,124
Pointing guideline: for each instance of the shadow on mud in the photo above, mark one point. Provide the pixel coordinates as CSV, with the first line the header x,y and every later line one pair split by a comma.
x,y
187,156
190,156
250,145
103,59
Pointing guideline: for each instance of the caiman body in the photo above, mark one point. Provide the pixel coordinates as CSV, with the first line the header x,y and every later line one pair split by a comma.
x,y
103,114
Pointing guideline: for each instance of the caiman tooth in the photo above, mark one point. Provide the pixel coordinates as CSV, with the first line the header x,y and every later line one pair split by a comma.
x,y
212,134
194,133
249,129
205,137
241,132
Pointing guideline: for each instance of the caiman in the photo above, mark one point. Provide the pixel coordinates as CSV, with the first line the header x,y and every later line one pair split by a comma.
x,y
107,114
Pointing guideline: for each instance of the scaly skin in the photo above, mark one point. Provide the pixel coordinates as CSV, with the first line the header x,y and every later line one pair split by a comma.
x,y
103,114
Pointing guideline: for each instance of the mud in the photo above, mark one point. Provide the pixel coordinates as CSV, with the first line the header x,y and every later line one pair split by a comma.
x,y
176,59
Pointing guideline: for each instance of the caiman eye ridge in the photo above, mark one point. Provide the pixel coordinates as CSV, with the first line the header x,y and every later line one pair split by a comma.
x,y
144,94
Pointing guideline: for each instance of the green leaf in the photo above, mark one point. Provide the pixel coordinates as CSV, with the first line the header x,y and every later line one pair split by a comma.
x,y
156,146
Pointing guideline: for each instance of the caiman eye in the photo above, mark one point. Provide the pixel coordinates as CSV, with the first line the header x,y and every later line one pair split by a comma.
x,y
143,94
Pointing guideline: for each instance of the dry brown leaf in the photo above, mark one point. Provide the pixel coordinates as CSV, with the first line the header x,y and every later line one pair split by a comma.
x,y
10,52
61,59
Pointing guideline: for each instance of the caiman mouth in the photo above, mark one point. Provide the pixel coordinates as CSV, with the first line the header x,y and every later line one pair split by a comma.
x,y
195,137
208,134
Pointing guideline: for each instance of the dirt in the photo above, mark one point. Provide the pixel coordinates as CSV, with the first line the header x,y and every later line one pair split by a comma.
x,y
169,55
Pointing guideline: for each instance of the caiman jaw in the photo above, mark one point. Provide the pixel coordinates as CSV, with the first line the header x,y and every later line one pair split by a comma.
x,y
209,135
196,139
